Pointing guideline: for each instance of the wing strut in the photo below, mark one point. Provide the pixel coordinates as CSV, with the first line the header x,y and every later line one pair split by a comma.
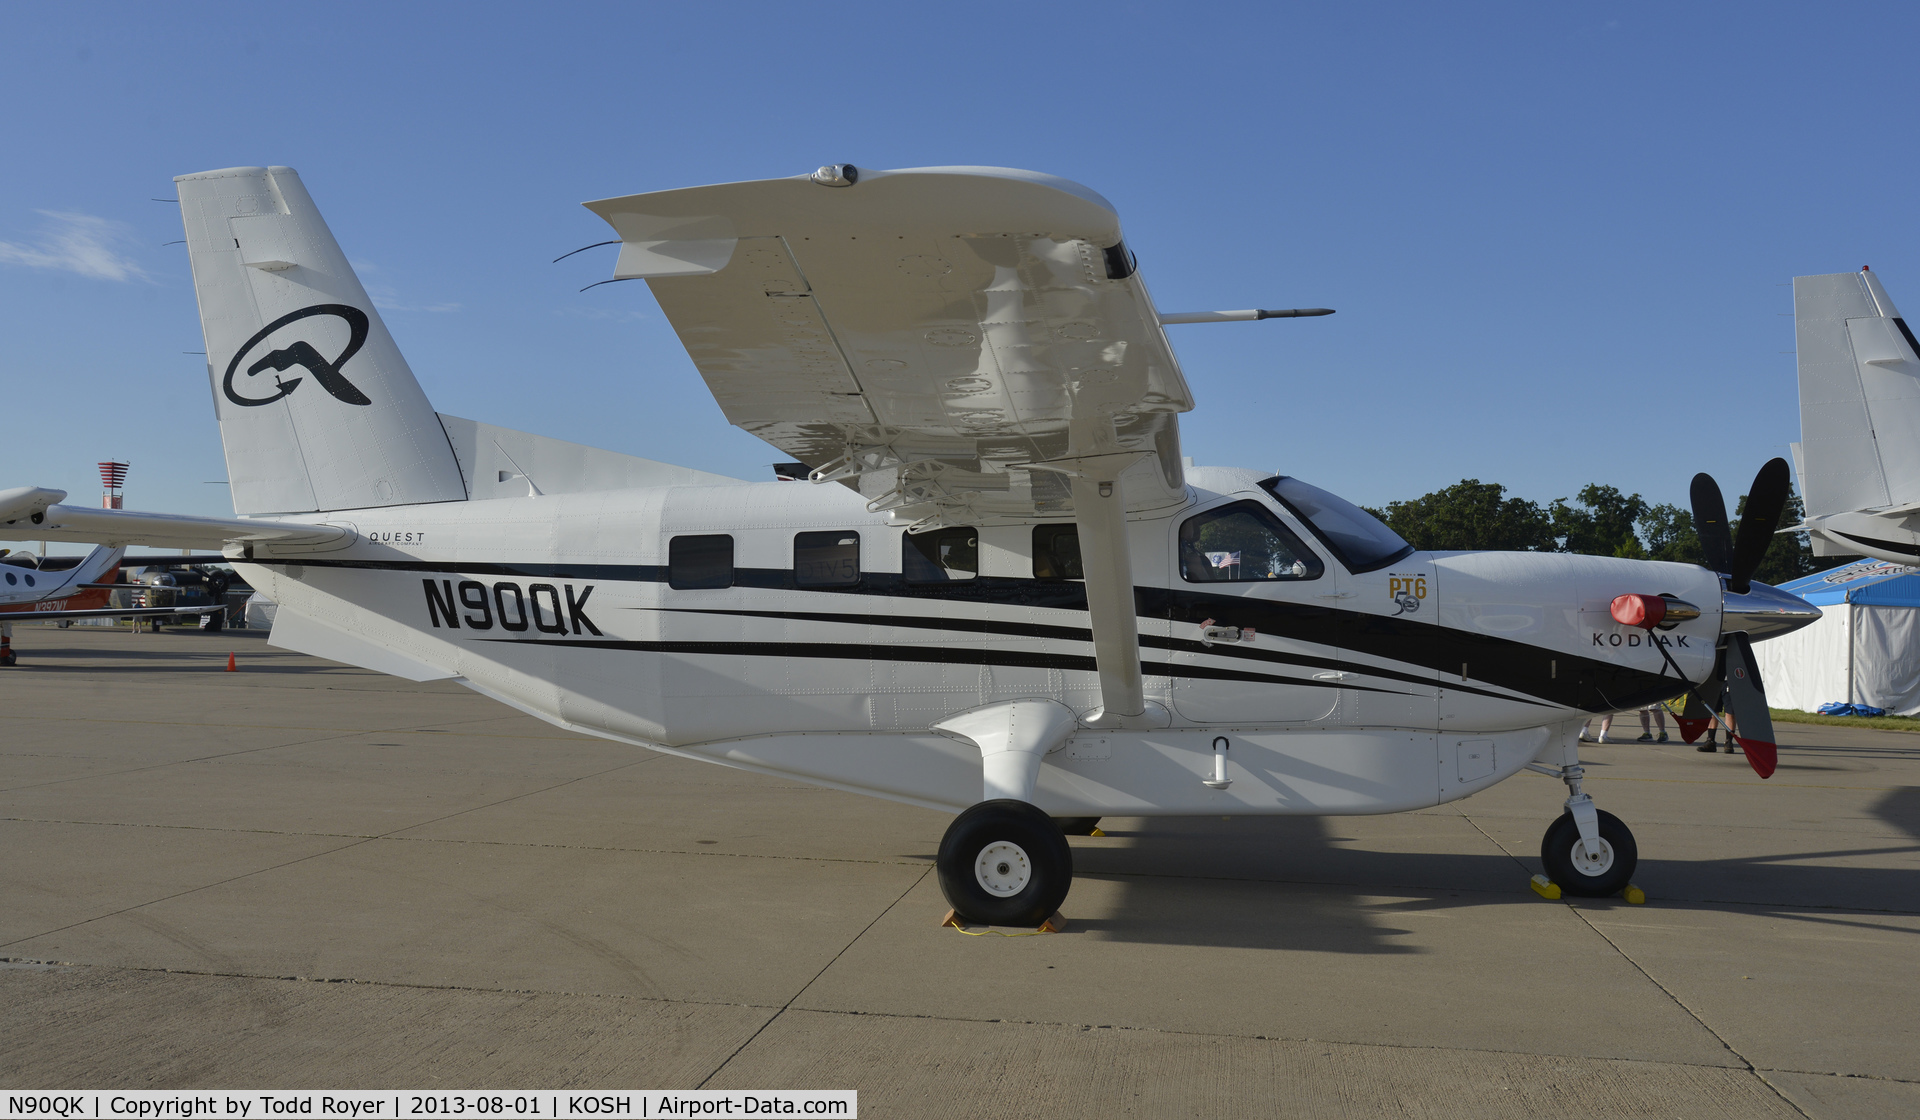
x,y
1100,514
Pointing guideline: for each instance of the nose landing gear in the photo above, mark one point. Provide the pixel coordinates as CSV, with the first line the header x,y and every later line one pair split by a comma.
x,y
1587,851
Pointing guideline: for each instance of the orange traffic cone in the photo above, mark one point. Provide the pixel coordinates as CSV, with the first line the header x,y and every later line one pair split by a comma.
x,y
231,667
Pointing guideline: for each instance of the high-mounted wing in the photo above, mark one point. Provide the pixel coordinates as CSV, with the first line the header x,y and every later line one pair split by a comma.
x,y
956,343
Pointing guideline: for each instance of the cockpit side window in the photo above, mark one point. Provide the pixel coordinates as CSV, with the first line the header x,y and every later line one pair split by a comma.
x,y
1361,541
1243,542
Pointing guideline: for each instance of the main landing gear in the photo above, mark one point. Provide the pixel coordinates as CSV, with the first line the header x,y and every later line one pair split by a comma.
x,y
1005,863
1587,852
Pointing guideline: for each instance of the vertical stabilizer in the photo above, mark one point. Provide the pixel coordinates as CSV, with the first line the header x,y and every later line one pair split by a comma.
x,y
1859,396
318,410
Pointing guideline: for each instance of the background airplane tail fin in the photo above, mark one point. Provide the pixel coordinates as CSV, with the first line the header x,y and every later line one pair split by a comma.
x,y
1859,396
318,410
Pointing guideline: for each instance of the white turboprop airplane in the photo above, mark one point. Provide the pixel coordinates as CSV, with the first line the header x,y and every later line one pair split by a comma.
x,y
1010,597
1859,452
33,592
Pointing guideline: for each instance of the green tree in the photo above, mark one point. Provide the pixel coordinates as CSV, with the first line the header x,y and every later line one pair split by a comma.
x,y
1470,515
1790,556
1601,525
1668,531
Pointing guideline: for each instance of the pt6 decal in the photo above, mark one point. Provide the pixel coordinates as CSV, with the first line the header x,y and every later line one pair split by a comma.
x,y
1406,591
537,606
302,354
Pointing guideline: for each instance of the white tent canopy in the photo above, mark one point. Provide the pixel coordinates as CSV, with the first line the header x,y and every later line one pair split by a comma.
x,y
1865,649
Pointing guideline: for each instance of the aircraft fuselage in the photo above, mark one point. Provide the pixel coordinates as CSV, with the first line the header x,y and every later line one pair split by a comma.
x,y
821,649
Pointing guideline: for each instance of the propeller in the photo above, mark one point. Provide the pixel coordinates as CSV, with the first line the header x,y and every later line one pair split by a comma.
x,y
1735,684
1736,558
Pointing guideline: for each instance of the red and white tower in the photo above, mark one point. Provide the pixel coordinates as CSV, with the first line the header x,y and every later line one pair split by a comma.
x,y
113,476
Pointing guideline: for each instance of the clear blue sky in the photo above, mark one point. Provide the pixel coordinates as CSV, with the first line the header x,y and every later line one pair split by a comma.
x,y
1559,237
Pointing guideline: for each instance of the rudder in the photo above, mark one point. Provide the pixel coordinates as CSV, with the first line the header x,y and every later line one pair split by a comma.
x,y
318,411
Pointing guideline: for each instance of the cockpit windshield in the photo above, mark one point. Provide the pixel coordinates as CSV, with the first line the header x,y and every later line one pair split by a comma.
x,y
1357,537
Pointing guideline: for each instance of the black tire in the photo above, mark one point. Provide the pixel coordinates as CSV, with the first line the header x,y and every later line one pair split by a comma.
x,y
8,659
1620,858
1077,826
1028,854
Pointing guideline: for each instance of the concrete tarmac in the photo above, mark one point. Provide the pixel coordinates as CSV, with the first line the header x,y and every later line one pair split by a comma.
x,y
307,875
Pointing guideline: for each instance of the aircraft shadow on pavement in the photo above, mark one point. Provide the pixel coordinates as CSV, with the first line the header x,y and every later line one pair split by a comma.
x,y
1288,883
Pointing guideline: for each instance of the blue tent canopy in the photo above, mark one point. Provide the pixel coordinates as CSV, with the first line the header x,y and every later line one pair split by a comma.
x,y
1875,582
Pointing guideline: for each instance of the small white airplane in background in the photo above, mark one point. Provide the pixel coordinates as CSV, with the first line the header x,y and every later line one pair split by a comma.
x,y
1859,452
1009,596
31,590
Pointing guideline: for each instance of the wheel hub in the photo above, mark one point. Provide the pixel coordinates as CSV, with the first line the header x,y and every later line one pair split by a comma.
x,y
1003,869
1592,866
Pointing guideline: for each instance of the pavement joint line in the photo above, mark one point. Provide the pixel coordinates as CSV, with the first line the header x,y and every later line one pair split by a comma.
x,y
186,761
276,746
1581,916
574,738
1797,910
393,836
851,942
925,1017
1690,1012
302,859
1774,785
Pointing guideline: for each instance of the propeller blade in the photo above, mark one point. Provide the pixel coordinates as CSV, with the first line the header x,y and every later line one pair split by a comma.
x,y
1703,700
1764,503
1710,522
1693,719
1747,702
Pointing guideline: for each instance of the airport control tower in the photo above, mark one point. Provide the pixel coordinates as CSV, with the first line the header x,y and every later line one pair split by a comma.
x,y
113,479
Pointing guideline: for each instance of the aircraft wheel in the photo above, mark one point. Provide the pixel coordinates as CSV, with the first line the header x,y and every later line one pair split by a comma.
x,y
1004,863
1077,826
8,659
1568,864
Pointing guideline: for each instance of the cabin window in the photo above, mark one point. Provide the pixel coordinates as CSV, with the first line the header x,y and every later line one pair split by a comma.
x,y
1056,552
697,563
830,559
1243,543
941,556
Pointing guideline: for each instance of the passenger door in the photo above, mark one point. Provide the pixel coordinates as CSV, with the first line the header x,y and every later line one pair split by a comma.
x,y
1238,567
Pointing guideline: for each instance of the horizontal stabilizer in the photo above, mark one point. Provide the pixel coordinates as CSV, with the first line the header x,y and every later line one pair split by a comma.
x,y
84,525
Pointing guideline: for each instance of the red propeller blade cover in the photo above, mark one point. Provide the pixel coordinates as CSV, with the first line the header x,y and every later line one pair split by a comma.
x,y
1644,611
1690,729
1761,755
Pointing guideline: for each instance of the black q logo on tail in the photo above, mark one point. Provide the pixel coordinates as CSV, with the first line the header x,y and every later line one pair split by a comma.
x,y
303,354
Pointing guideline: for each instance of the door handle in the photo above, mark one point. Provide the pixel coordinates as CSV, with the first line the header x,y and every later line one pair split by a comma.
x,y
1210,633
1336,676
1339,595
